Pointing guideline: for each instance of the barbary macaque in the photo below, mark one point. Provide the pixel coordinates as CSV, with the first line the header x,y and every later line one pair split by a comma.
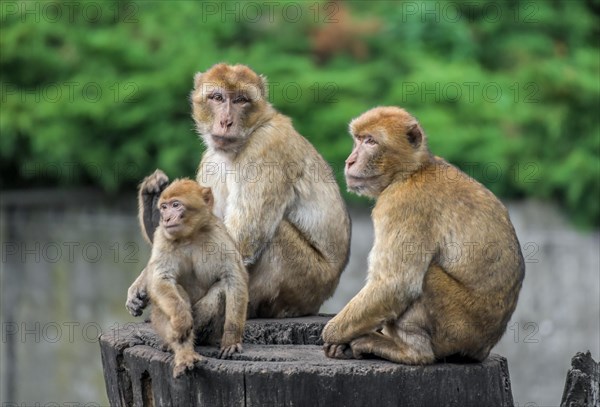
x,y
195,278
423,299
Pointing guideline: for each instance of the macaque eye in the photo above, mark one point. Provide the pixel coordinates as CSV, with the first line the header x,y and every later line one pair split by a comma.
x,y
216,97
370,140
176,204
241,99
163,206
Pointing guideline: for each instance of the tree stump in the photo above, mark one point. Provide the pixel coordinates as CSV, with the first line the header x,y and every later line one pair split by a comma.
x,y
582,386
283,365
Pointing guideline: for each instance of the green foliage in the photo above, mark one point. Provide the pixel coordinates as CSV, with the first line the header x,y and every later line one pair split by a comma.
x,y
97,93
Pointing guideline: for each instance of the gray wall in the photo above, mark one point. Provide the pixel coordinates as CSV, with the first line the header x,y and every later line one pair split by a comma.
x,y
65,273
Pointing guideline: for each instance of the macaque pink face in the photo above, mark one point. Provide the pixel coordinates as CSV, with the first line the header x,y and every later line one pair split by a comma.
x,y
228,104
388,142
361,170
172,216
229,110
185,207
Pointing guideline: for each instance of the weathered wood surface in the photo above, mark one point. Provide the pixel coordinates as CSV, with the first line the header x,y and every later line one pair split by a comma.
x,y
582,386
283,365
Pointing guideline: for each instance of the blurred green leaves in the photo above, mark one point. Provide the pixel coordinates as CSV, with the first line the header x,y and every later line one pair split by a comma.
x,y
97,92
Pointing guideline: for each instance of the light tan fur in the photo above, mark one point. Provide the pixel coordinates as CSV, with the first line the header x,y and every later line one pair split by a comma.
x,y
276,195
195,278
446,267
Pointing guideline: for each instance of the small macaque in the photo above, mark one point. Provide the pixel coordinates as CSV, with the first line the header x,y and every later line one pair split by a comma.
x,y
195,278
446,267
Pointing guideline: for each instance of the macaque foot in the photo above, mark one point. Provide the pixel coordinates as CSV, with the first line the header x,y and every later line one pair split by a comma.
x,y
362,346
185,361
338,351
155,183
228,351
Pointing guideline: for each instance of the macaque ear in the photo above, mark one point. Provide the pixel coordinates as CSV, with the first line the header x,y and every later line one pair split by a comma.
x,y
208,198
197,80
263,85
414,135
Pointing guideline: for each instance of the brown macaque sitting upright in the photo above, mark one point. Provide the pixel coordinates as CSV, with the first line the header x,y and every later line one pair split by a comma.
x,y
446,268
195,278
276,195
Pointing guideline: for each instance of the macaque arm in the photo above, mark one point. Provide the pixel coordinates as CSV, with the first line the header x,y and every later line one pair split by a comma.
x,y
395,281
236,304
137,294
369,309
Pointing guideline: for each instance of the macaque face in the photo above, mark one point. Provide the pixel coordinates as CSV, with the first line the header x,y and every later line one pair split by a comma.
x,y
388,144
172,214
229,108
228,103
363,174
185,207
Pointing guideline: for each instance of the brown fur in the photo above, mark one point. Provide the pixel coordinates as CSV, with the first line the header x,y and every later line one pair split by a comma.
x,y
423,299
195,277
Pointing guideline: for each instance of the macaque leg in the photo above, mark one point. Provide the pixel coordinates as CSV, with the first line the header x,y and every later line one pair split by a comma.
x,y
360,316
405,340
162,326
174,303
185,355
209,316
214,326
410,348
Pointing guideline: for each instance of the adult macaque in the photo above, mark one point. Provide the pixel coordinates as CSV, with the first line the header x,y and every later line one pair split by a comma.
x,y
446,267
195,278
276,195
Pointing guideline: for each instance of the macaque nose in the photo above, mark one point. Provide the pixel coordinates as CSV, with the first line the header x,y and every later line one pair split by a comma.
x,y
226,123
350,161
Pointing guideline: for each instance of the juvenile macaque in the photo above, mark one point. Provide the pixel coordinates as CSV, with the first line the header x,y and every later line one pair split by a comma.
x,y
446,267
276,195
195,278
